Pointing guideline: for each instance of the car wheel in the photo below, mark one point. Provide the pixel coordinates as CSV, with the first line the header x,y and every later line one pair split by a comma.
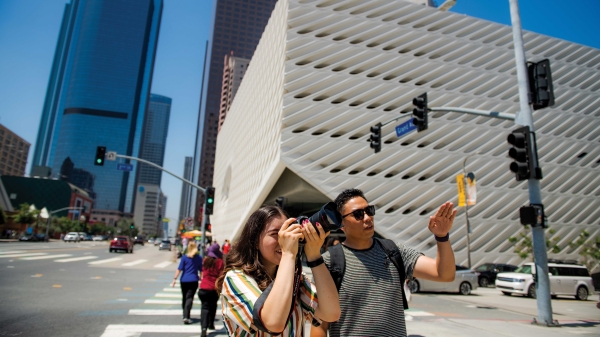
x,y
465,288
413,286
483,282
506,293
582,293
532,292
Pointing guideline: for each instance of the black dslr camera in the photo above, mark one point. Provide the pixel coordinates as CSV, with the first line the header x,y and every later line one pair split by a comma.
x,y
328,217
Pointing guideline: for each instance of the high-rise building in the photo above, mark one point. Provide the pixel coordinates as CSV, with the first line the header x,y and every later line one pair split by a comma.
x,y
324,72
233,74
98,94
237,26
186,190
147,212
13,153
154,139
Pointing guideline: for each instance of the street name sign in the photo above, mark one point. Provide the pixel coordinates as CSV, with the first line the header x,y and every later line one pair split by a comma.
x,y
124,167
405,128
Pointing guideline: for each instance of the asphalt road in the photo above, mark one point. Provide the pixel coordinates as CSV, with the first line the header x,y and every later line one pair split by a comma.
x,y
80,289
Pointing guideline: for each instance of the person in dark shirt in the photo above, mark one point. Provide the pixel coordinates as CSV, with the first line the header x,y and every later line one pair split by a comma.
x,y
190,267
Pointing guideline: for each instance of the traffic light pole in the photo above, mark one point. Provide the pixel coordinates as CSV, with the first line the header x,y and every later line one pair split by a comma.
x,y
526,119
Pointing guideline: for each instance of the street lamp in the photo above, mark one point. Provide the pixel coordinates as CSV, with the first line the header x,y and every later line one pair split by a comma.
x,y
58,210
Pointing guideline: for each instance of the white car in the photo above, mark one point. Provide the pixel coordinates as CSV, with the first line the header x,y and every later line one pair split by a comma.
x,y
464,282
82,236
72,236
565,280
98,238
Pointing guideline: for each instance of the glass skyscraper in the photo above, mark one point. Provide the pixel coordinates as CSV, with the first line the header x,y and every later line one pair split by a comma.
x,y
237,26
97,95
154,139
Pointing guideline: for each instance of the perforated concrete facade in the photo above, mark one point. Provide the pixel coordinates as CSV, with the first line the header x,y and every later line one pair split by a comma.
x,y
325,71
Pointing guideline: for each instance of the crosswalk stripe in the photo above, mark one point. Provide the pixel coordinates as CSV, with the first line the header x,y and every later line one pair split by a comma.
x,y
106,261
160,312
418,313
128,330
172,290
45,257
22,255
73,259
163,264
13,251
152,301
175,295
133,263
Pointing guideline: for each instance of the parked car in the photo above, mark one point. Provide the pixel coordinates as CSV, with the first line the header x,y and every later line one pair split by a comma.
x,y
157,241
165,244
121,243
138,240
82,236
488,271
565,280
72,236
34,237
98,238
464,282
151,241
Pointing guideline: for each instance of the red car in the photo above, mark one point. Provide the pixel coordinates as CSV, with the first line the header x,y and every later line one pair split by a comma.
x,y
121,243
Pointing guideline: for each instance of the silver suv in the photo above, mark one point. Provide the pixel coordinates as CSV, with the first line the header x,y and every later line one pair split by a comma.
x,y
565,280
72,236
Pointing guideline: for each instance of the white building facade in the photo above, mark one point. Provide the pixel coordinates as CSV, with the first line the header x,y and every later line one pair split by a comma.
x,y
325,71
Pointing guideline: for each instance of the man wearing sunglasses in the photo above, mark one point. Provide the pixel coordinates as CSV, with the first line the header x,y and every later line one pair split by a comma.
x,y
371,290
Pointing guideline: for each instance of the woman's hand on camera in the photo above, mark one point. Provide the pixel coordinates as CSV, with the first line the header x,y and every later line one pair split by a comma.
x,y
289,235
314,240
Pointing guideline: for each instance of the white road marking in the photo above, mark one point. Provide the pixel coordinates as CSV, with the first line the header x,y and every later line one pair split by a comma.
x,y
133,263
419,313
173,295
21,255
167,301
126,330
160,312
163,264
10,266
106,261
172,290
73,259
45,257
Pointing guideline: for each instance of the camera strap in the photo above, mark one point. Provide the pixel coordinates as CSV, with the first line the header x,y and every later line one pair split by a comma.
x,y
260,302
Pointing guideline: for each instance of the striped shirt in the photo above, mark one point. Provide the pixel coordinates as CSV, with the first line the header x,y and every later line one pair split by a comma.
x,y
240,292
370,294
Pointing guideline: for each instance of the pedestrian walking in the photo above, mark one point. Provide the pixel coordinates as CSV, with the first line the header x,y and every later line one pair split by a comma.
x,y
262,287
226,248
190,266
371,308
212,266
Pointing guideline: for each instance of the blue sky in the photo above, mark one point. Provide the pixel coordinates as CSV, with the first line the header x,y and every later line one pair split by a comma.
x,y
29,30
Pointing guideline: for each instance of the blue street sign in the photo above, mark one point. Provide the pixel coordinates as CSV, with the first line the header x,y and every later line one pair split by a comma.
x,y
405,128
124,167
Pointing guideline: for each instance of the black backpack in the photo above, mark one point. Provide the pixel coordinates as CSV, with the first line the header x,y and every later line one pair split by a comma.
x,y
337,263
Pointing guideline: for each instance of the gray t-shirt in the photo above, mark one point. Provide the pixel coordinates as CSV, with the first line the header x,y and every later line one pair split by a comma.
x,y
370,294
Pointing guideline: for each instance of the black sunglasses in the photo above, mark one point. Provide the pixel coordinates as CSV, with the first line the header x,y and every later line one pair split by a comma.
x,y
359,214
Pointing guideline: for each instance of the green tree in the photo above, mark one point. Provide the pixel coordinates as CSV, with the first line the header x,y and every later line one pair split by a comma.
x,y
99,228
524,244
125,226
26,216
589,249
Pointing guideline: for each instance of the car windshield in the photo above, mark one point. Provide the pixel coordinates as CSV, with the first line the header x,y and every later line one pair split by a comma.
x,y
121,239
526,269
166,241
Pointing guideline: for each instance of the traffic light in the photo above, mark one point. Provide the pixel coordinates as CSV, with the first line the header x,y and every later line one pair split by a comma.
x,y
183,230
279,201
524,153
376,137
132,226
420,112
100,153
210,200
540,84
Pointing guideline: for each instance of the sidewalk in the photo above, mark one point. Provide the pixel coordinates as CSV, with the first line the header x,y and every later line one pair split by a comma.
x,y
479,327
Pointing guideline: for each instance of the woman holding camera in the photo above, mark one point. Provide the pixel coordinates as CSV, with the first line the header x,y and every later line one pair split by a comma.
x,y
265,254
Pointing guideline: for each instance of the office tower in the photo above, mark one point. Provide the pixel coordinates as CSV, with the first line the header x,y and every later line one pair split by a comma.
x,y
325,72
237,26
13,153
147,212
186,190
97,95
233,73
154,139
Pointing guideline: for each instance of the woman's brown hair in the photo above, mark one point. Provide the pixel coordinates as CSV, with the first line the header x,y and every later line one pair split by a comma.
x,y
244,253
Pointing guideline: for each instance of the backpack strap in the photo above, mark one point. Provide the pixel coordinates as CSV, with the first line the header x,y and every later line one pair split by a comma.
x,y
393,254
337,264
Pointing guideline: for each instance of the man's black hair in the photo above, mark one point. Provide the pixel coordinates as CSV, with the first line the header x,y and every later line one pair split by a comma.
x,y
346,195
